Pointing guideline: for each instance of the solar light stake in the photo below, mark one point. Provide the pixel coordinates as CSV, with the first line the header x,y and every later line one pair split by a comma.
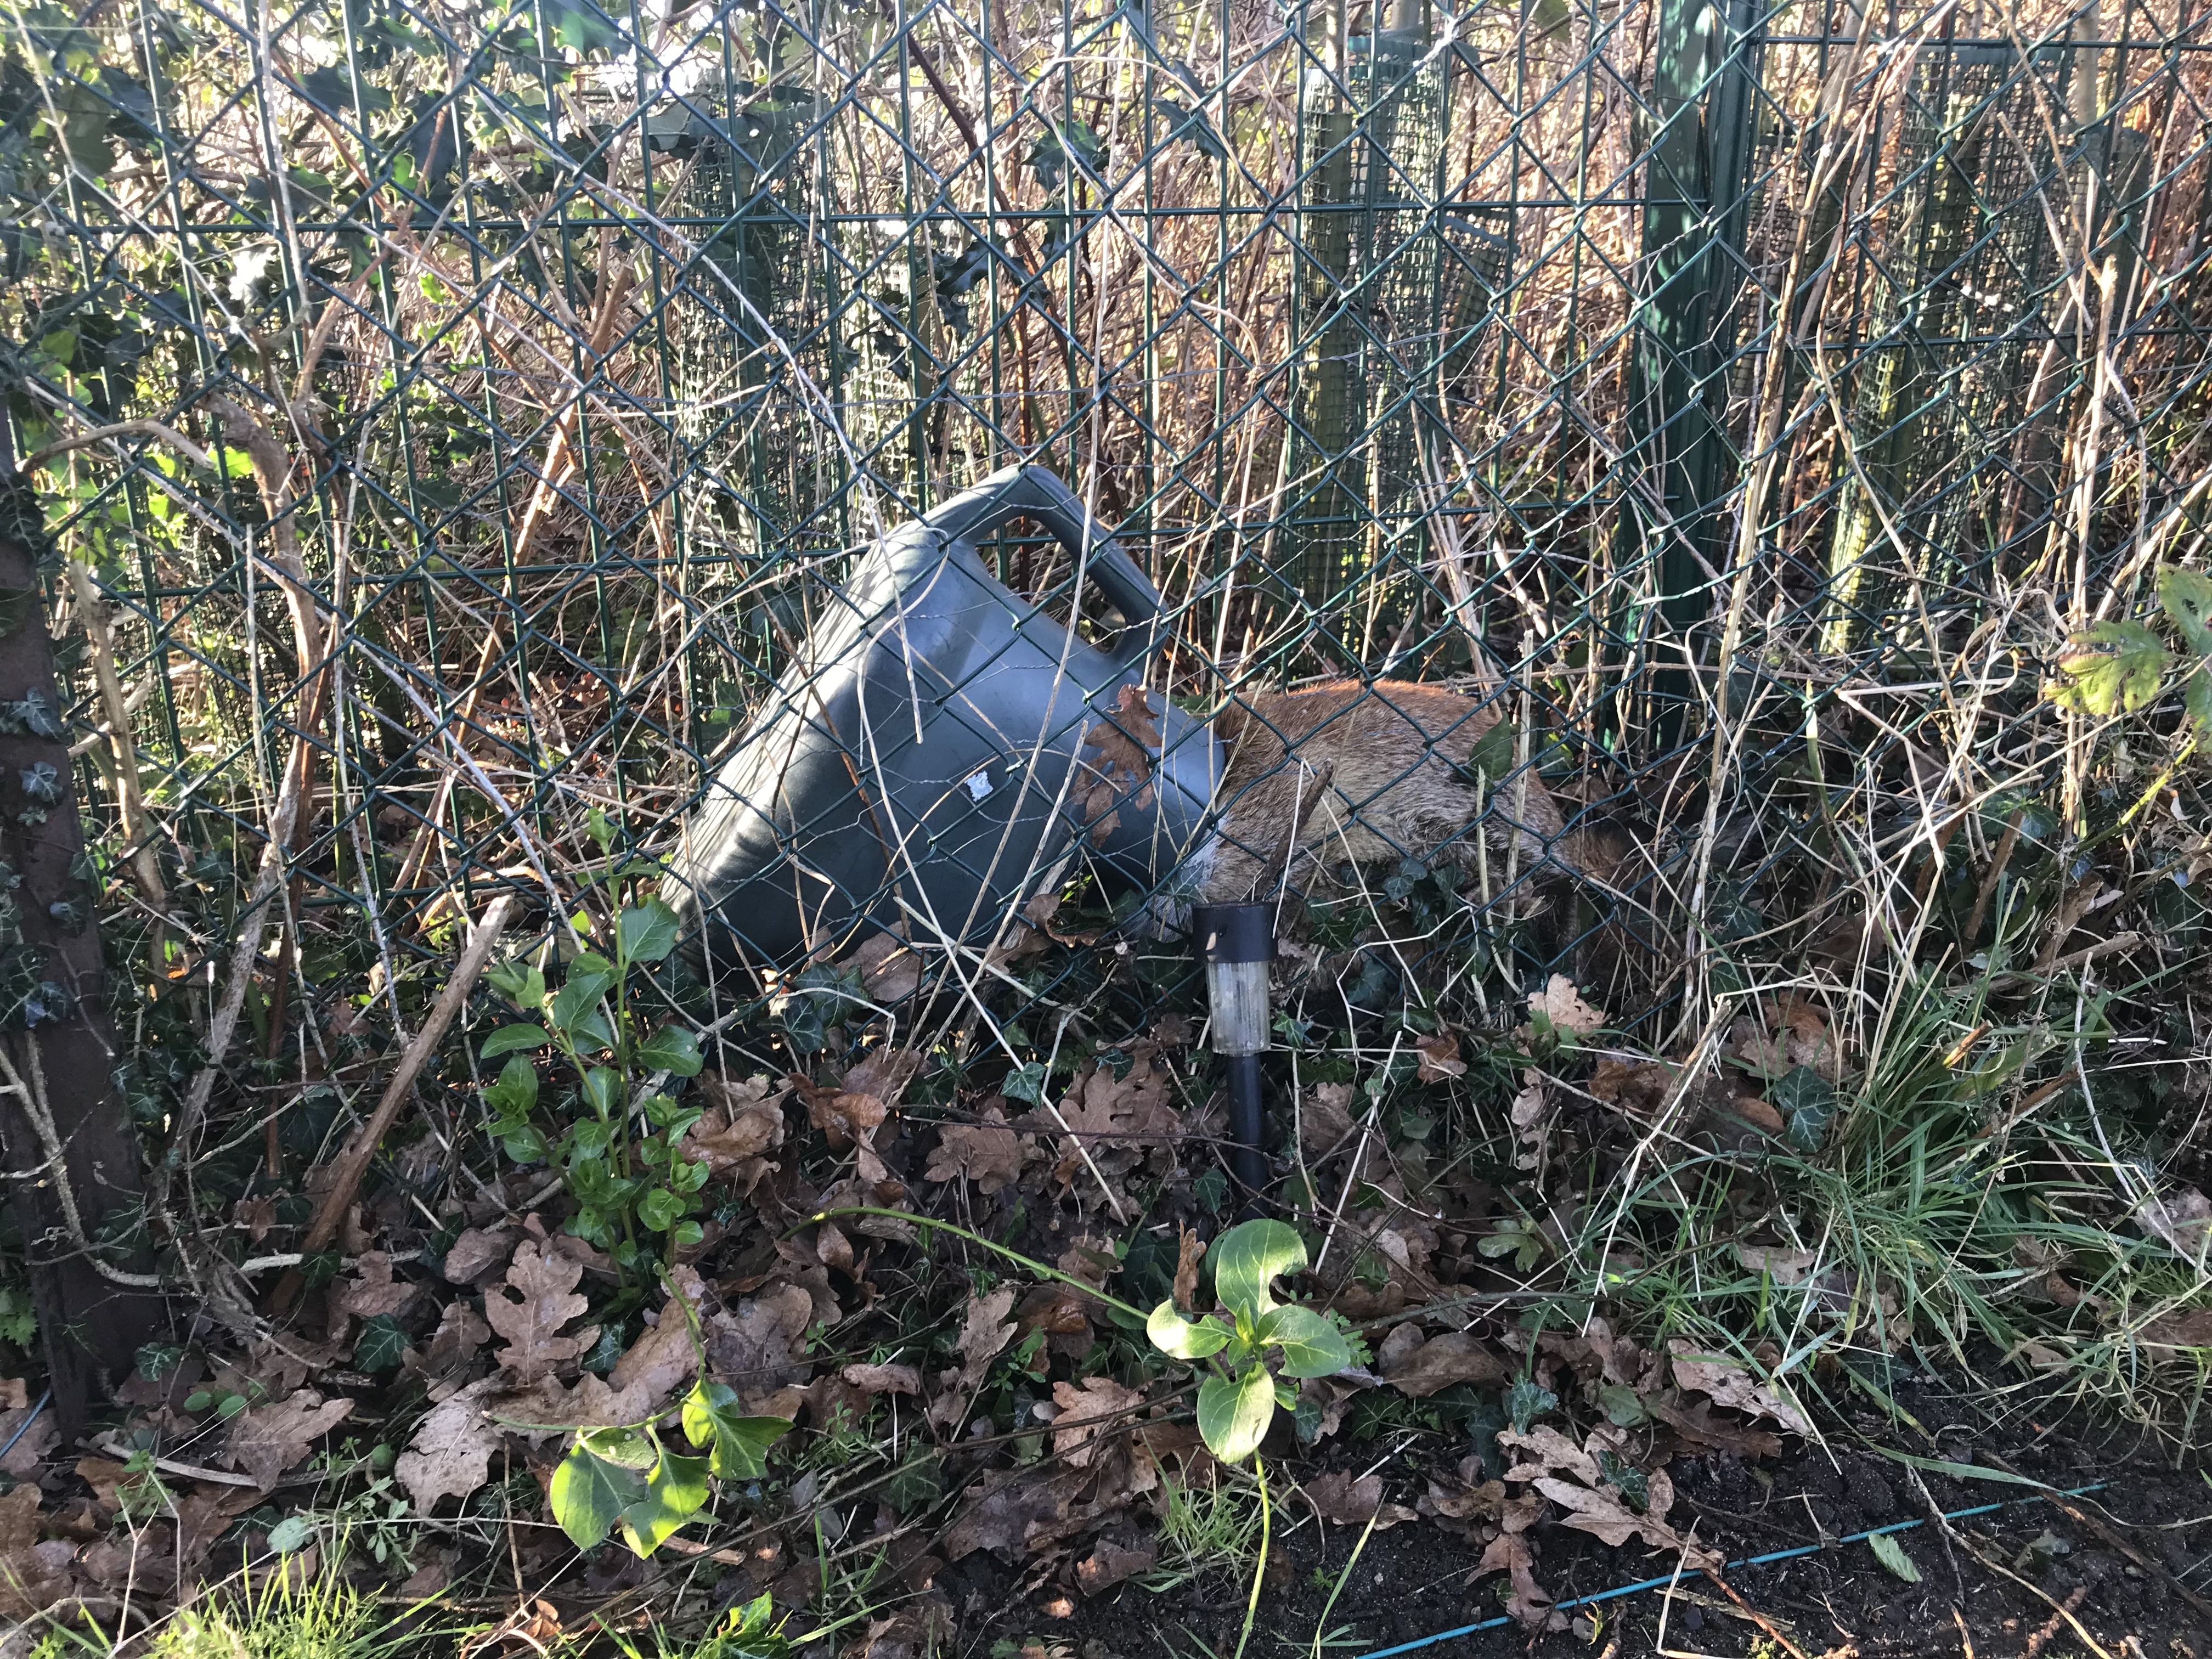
x,y
1236,942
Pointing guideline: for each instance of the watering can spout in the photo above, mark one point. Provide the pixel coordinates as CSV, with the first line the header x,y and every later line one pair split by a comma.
x,y
939,752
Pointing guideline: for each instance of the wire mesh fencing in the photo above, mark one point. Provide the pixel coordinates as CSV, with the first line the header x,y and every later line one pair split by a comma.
x,y
468,417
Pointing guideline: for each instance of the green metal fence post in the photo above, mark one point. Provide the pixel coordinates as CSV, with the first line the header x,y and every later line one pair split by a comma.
x,y
1679,463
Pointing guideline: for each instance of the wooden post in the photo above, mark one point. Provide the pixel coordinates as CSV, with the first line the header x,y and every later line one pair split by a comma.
x,y
60,1049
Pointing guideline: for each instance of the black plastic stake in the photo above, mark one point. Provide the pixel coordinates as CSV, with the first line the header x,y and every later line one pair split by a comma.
x,y
1236,942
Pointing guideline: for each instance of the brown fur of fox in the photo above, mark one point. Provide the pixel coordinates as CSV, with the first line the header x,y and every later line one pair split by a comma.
x,y
1368,774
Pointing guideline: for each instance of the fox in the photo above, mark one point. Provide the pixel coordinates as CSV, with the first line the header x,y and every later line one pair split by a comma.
x,y
1364,774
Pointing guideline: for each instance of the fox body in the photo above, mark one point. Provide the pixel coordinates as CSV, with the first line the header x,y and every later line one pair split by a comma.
x,y
1347,772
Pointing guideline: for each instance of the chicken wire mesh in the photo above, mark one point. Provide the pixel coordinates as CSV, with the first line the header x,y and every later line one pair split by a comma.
x,y
466,412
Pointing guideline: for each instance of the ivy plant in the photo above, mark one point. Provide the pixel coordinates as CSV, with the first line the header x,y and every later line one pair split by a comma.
x,y
1238,1401
619,1157
623,1475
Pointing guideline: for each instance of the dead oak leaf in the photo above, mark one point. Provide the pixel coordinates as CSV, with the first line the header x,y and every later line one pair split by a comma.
x,y
741,1124
1530,1113
27,1440
882,1379
267,1440
757,1348
1791,1033
987,1153
548,1409
2182,1221
984,1332
476,1253
1529,1603
1015,1513
1601,1512
534,1321
1694,1421
1563,1004
1325,1121
451,1453
1349,1502
1190,1250
1544,1451
445,1364
1728,1383
885,1072
1438,1055
2185,1329
1110,1564
1421,1369
374,1291
1089,1411
33,1577
843,1115
853,1109
665,1356
1638,1087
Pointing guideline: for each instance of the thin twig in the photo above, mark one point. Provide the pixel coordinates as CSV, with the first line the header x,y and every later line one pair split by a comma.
x,y
352,1163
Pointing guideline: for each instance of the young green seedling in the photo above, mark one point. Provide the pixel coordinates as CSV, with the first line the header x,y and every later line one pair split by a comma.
x,y
1238,1401
623,1476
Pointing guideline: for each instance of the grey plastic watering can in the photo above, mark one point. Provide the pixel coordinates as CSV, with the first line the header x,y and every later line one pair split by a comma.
x,y
939,749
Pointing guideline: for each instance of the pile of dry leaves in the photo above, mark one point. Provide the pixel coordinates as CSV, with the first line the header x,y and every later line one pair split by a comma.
x,y
946,1402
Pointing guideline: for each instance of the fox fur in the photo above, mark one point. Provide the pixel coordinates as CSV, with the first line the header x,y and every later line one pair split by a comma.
x,y
1364,774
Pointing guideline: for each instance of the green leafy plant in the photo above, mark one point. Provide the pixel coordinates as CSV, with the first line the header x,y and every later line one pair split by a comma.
x,y
623,1476
620,1158
1238,1401
2116,667
750,1629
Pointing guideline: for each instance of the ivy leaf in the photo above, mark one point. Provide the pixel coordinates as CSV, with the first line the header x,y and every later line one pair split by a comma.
x,y
1807,1102
590,1493
1233,1416
738,1444
1171,1333
1248,1258
676,1492
671,1049
1026,1084
510,1038
1526,1401
1311,1346
2115,667
648,932
383,1344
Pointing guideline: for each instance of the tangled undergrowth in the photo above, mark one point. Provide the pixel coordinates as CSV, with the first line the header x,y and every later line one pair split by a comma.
x,y
1849,1032
829,1304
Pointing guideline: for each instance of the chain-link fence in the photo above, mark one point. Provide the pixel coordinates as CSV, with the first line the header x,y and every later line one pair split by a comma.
x,y
466,414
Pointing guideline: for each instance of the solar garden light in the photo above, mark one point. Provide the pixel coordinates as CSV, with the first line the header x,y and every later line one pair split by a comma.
x,y
1236,942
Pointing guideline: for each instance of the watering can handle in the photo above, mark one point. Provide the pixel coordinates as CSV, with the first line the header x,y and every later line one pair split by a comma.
x,y
1036,492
